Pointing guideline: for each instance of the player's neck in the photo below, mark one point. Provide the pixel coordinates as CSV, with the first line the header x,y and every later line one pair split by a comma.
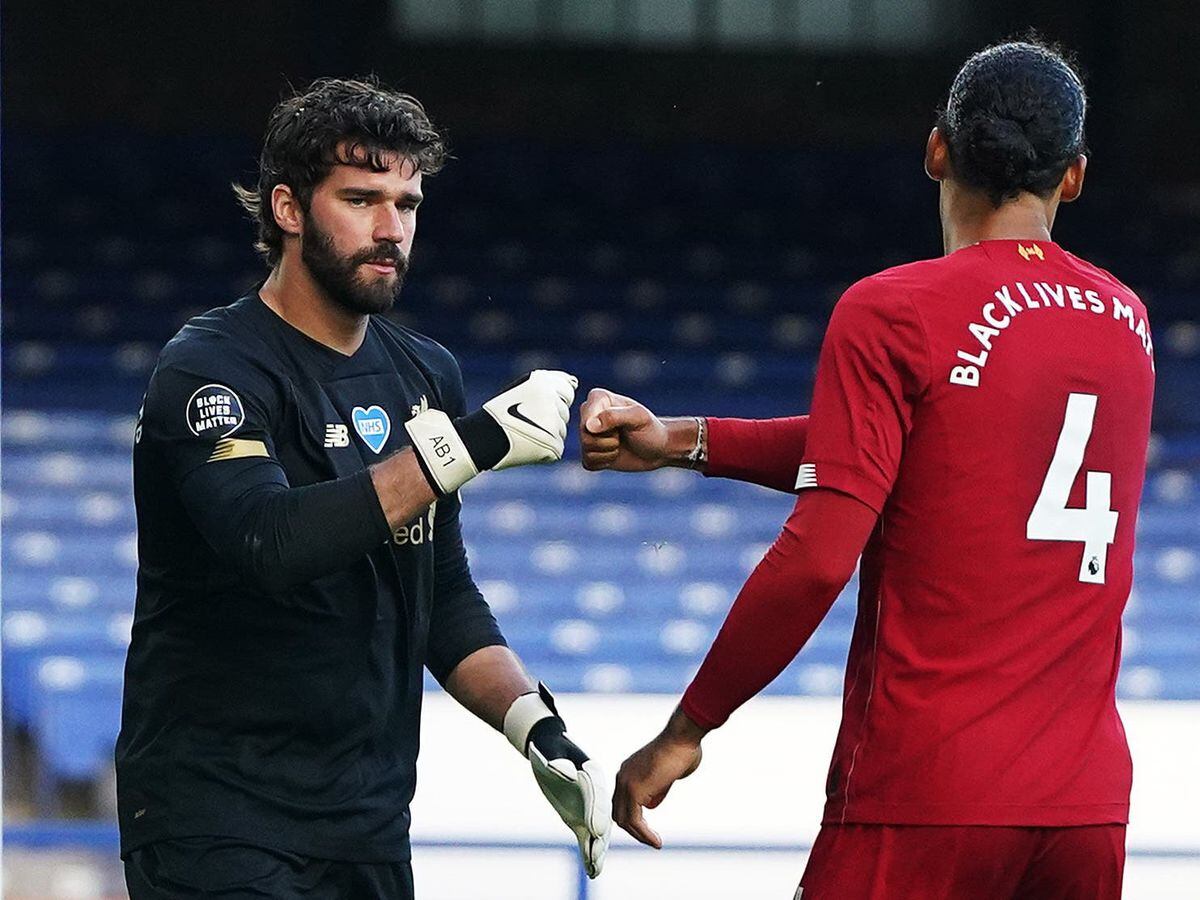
x,y
968,218
291,292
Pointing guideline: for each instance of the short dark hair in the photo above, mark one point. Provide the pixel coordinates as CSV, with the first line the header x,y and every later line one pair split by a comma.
x,y
1014,118
334,121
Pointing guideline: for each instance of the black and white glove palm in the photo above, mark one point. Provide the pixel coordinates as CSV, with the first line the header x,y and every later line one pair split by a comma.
x,y
573,783
526,423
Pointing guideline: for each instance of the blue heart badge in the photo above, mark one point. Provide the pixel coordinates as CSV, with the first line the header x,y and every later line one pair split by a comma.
x,y
372,425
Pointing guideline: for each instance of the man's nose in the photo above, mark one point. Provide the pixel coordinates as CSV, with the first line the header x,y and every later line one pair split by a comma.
x,y
389,225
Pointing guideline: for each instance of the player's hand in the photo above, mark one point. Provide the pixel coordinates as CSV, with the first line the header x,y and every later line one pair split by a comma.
x,y
617,432
526,423
647,776
534,413
573,783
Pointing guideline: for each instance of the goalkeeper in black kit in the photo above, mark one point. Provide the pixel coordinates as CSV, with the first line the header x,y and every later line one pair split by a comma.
x,y
296,472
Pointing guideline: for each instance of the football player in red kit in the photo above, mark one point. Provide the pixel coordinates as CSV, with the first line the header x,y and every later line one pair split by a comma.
x,y
978,435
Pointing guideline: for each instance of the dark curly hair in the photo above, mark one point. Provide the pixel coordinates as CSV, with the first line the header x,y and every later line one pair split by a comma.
x,y
1014,119
335,120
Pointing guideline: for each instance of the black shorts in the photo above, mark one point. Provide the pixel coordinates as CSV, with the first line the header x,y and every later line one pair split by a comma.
x,y
231,869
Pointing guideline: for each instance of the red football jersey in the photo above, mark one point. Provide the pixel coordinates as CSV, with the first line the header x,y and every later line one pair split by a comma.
x,y
993,406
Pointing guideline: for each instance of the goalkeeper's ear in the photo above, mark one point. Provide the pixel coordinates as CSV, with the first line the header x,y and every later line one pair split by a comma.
x,y
286,210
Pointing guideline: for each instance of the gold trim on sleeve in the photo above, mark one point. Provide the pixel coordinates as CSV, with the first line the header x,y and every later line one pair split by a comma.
x,y
237,448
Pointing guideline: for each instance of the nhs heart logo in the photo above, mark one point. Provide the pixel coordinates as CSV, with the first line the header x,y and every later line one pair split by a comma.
x,y
372,425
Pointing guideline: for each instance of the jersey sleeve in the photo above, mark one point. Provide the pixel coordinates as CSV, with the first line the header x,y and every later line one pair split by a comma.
x,y
461,621
206,404
781,604
207,419
760,451
873,369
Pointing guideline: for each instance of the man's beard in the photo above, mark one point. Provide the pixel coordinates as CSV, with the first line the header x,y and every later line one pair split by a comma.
x,y
339,276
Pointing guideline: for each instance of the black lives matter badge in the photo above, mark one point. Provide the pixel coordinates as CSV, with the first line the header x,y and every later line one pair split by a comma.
x,y
215,411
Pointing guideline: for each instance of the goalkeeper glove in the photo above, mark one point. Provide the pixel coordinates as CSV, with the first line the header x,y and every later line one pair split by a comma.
x,y
572,783
527,423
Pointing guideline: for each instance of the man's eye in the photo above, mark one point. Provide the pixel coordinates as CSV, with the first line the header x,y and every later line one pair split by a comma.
x,y
357,202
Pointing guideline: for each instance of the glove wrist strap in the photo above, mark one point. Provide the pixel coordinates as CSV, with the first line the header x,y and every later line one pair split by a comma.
x,y
525,712
442,452
484,438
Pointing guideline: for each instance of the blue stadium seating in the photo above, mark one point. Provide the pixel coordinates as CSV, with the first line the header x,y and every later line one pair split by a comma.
x,y
77,715
602,581
645,281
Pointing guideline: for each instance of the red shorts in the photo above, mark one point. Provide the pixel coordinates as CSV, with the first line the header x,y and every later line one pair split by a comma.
x,y
965,862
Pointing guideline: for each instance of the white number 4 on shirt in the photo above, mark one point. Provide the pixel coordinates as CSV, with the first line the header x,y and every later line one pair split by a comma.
x,y
1052,520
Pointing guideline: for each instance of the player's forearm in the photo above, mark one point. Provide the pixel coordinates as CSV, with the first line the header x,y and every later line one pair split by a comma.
x,y
680,447
760,451
279,536
402,488
781,604
488,681
460,620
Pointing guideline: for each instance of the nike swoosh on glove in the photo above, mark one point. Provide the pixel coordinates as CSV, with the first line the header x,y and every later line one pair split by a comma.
x,y
534,413
573,783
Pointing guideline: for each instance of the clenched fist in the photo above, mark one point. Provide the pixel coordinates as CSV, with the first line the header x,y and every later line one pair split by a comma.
x,y
617,432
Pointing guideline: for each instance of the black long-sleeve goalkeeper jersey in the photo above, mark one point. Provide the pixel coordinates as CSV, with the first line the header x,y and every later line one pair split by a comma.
x,y
273,684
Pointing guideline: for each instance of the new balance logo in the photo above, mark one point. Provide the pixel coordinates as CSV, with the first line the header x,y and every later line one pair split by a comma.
x,y
337,435
807,476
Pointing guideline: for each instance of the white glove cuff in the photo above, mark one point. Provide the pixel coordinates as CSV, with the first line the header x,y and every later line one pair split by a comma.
x,y
525,712
447,462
